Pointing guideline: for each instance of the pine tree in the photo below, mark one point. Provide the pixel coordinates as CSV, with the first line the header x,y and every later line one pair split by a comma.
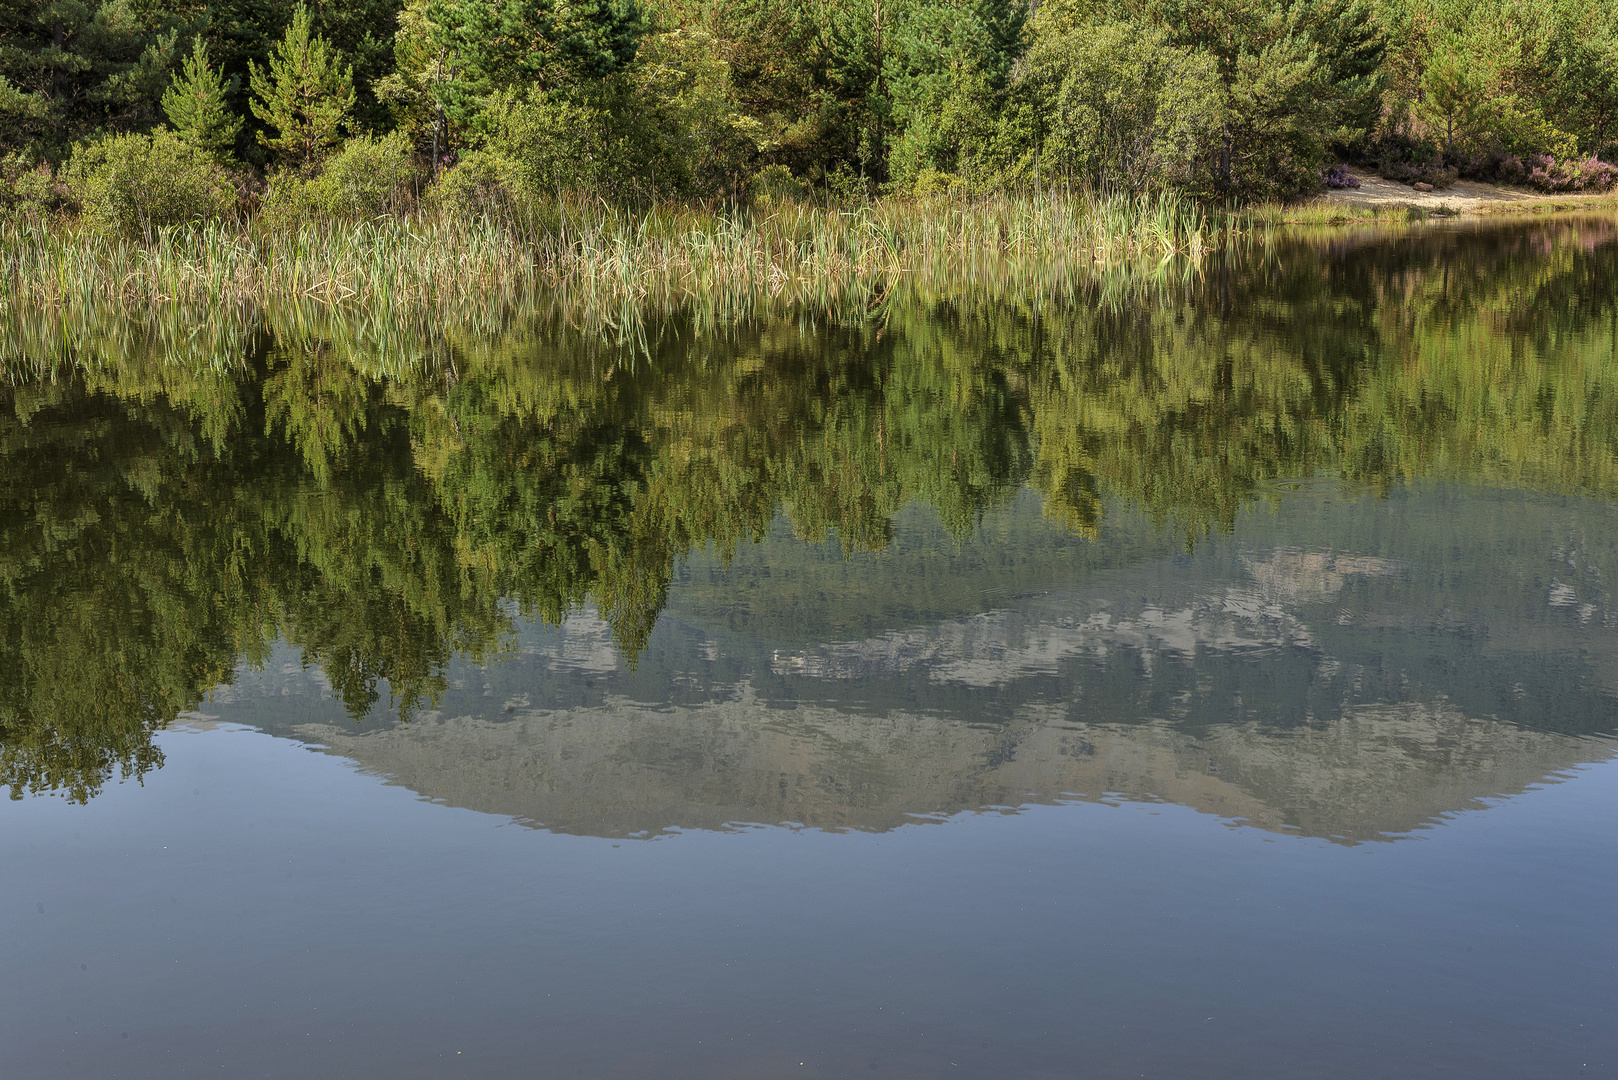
x,y
69,71
493,45
195,106
305,96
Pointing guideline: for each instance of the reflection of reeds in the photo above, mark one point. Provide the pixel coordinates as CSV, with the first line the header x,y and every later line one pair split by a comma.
x,y
598,256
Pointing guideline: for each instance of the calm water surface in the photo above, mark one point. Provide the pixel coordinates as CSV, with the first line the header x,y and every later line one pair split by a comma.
x,y
1218,679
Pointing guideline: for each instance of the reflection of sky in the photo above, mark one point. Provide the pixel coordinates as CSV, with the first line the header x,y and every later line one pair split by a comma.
x,y
997,647
258,909
583,643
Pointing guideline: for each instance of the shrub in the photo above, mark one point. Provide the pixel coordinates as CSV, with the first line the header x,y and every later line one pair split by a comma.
x,y
1510,169
1591,174
485,183
368,177
290,201
554,143
775,183
136,184
932,183
1339,177
29,190
1393,166
844,185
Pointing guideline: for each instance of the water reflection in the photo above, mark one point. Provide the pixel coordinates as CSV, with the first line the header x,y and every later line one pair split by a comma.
x,y
975,550
1350,697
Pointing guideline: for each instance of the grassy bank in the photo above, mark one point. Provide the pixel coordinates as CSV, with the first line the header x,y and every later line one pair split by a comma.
x,y
593,251
596,261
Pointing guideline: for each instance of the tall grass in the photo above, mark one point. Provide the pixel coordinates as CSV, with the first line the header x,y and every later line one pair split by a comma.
x,y
596,254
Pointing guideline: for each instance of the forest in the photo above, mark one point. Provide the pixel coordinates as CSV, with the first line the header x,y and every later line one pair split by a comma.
x,y
135,115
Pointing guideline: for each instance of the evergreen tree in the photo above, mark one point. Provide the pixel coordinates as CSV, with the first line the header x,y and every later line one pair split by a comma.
x,y
1003,23
304,95
493,45
196,108
69,70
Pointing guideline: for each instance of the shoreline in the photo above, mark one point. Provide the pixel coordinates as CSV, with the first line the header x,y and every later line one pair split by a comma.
x,y
1463,198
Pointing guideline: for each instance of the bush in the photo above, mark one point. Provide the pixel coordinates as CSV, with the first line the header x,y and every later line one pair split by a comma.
x,y
555,144
368,177
137,184
290,202
485,183
933,183
29,190
1339,177
775,183
1394,166
1591,174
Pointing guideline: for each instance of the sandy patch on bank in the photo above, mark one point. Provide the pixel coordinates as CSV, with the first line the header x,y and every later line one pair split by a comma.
x,y
1464,197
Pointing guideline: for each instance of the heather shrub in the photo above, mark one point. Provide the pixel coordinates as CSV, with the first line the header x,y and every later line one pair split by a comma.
x,y
1394,166
1510,170
137,184
1338,177
1590,174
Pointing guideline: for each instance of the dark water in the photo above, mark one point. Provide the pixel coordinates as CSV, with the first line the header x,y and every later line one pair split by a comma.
x,y
1211,679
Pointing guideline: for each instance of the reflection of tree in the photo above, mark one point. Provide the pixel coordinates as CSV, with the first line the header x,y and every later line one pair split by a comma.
x,y
373,496
1483,354
129,585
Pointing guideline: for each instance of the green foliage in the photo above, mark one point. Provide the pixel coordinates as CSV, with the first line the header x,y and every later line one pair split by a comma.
x,y
29,191
1221,100
1476,98
1483,81
304,96
485,183
559,143
479,48
368,177
22,114
1298,78
197,108
1122,108
72,68
1584,89
707,145
291,202
134,185
361,33
407,91
775,183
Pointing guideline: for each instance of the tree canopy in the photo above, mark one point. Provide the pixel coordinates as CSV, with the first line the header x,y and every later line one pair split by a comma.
x,y
1221,99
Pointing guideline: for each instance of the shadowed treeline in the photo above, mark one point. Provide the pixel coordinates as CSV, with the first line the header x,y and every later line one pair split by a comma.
x,y
175,499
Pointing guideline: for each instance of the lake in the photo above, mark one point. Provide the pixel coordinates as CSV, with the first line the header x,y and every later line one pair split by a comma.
x,y
1211,674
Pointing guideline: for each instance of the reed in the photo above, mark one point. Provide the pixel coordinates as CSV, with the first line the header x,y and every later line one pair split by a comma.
x,y
596,254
